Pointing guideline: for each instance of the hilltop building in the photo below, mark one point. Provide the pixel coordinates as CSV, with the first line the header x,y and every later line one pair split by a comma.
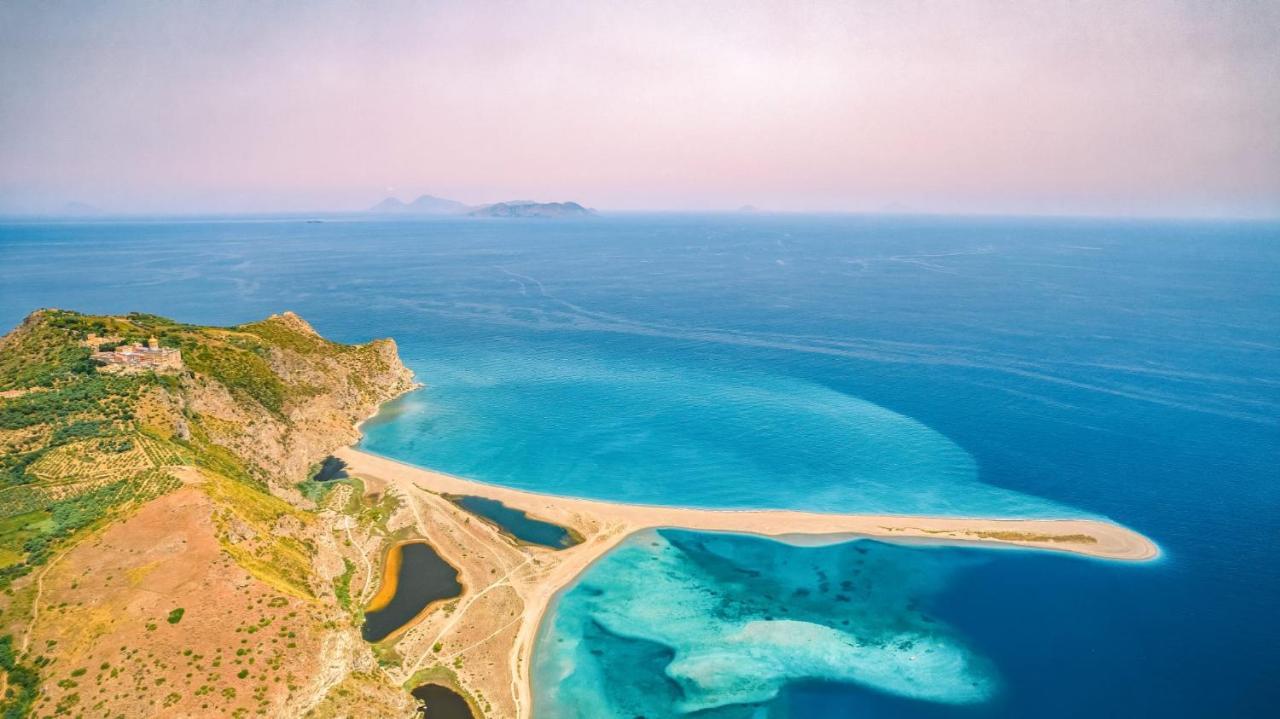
x,y
134,357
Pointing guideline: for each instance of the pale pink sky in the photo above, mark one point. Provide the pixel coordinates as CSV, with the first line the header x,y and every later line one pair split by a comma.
x,y
1110,107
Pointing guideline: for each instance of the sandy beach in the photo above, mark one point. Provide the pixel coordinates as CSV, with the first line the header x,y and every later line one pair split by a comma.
x,y
512,584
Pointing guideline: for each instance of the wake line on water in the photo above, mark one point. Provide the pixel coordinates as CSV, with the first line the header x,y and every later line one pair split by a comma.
x,y
887,351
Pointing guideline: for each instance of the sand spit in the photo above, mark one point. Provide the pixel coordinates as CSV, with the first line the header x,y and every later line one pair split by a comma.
x,y
487,638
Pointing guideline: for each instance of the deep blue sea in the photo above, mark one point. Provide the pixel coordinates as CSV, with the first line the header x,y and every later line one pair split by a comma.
x,y
1006,367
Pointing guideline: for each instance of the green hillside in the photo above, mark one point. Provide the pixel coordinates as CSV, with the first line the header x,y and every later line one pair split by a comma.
x,y
77,443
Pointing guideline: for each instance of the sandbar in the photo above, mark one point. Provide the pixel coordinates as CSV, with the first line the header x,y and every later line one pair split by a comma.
x,y
511,584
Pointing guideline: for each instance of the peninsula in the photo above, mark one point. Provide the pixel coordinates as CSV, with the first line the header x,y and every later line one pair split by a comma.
x,y
182,513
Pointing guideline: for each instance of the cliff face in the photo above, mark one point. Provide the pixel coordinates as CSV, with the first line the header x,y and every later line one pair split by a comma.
x,y
325,390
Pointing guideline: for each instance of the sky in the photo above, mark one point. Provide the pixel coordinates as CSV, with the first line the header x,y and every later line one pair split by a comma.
x,y
1038,107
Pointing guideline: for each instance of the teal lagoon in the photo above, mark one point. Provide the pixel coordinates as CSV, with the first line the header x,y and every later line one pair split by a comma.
x,y
718,625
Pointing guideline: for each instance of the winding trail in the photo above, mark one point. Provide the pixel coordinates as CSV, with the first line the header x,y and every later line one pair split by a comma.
x,y
364,556
461,611
35,602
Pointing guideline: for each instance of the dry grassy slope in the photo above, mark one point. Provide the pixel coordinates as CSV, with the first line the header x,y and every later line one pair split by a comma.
x,y
125,498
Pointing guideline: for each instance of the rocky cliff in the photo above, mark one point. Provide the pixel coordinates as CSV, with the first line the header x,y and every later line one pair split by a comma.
x,y
322,390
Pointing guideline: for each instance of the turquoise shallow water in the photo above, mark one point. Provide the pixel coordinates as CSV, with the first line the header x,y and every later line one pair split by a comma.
x,y
636,429
676,622
1129,370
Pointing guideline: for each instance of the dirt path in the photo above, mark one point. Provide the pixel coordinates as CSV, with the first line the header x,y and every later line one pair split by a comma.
x,y
364,556
35,602
461,612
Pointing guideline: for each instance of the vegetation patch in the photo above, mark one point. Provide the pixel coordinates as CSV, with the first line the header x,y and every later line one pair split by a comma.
x,y
282,334
317,491
22,681
40,533
342,586
241,370
1013,536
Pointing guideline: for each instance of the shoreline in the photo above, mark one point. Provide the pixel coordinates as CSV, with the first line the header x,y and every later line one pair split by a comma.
x,y
604,524
1110,540
391,560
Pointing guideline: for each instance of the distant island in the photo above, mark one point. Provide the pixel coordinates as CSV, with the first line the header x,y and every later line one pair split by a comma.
x,y
431,205
532,209
425,205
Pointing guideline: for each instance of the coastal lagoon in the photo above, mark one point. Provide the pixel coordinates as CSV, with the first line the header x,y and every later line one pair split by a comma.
x,y
731,626
413,577
996,367
330,469
718,625
516,522
438,702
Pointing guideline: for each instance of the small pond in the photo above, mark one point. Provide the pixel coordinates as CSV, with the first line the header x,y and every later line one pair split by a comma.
x,y
516,522
331,468
414,577
437,702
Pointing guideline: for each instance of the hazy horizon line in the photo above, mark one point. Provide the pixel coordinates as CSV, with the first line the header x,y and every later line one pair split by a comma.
x,y
369,214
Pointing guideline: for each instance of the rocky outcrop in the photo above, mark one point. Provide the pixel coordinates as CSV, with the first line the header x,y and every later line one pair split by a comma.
x,y
330,388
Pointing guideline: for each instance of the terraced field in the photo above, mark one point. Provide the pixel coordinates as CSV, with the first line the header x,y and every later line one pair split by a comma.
x,y
91,460
163,454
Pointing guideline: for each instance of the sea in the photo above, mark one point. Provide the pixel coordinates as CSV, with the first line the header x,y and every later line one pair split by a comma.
x,y
963,366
